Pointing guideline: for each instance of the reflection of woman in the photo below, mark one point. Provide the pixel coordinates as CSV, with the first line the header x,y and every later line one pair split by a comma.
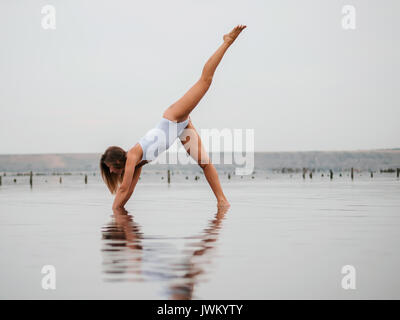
x,y
125,233
185,291
124,168
124,228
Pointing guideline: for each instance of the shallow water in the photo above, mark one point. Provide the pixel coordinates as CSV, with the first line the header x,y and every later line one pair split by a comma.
x,y
282,238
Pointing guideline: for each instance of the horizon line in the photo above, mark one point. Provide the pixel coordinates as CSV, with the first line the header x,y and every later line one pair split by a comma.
x,y
280,151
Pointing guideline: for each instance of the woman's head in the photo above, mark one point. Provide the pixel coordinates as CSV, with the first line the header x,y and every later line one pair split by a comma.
x,y
112,165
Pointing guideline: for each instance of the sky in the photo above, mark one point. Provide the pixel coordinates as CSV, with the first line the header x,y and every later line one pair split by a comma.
x,y
109,69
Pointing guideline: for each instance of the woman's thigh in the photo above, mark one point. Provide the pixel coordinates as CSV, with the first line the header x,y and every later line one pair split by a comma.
x,y
193,145
180,110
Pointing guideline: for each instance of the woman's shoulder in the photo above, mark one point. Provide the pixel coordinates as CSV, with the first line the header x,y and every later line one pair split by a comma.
x,y
136,153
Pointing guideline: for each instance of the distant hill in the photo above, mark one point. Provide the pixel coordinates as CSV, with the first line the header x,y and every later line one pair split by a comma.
x,y
50,162
336,160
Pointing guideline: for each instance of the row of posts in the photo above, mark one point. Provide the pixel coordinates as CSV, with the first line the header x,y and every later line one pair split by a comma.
x,y
31,179
351,173
304,174
229,176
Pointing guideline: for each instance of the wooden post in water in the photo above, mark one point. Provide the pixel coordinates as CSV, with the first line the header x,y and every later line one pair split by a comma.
x,y
331,173
169,176
352,173
30,179
85,178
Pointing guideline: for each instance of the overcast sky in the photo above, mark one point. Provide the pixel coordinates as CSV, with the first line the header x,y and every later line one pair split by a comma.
x,y
106,73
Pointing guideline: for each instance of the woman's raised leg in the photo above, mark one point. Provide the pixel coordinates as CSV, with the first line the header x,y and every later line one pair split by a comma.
x,y
180,110
193,145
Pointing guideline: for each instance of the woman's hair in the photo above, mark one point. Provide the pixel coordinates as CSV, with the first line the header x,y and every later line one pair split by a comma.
x,y
116,157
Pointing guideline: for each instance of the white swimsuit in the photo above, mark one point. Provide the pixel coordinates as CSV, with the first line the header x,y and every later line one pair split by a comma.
x,y
161,137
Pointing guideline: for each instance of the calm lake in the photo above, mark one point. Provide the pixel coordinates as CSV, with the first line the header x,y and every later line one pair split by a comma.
x,y
283,237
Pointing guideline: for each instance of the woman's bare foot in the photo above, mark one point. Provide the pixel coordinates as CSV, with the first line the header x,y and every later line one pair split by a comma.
x,y
231,36
223,204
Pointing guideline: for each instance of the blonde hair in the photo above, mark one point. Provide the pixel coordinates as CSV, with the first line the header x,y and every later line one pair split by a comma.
x,y
116,157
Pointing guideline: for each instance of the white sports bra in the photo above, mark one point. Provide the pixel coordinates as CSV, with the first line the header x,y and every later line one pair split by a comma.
x,y
161,137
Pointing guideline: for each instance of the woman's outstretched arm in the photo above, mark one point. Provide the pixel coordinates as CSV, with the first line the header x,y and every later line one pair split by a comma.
x,y
123,194
135,180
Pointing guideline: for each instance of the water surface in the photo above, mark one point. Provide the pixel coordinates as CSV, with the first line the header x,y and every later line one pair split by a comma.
x,y
282,238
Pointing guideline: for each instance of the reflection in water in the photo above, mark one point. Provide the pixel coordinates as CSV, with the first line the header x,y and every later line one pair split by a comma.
x,y
128,255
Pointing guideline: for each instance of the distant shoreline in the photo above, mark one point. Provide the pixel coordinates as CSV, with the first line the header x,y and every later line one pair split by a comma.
x,y
282,151
376,159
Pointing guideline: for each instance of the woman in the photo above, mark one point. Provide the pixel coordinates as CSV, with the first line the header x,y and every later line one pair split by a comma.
x,y
122,168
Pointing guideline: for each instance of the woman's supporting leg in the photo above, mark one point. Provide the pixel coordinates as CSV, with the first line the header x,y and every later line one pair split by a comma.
x,y
193,145
180,110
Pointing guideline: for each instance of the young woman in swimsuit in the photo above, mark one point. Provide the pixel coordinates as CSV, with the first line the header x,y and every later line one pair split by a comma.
x,y
120,170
